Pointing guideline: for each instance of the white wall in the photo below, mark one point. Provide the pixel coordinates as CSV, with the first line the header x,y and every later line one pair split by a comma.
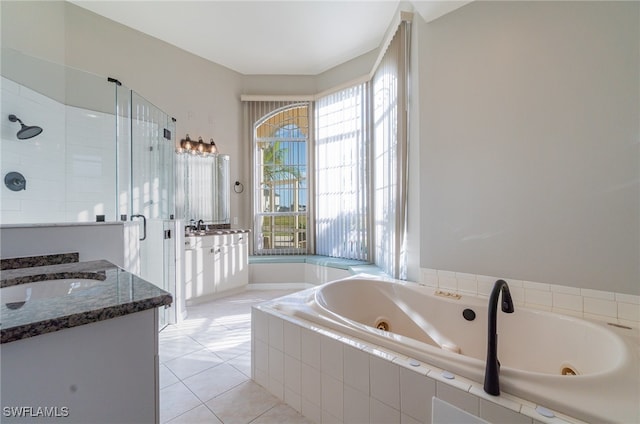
x,y
530,142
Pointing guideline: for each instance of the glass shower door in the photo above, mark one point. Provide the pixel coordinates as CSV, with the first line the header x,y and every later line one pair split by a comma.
x,y
152,193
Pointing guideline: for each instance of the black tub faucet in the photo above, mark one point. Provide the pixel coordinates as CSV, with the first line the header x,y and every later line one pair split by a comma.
x,y
492,370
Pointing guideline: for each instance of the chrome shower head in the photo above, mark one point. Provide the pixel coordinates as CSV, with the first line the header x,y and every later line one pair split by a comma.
x,y
25,132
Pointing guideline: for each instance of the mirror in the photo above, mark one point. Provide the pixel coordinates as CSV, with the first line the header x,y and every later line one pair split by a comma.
x,y
206,188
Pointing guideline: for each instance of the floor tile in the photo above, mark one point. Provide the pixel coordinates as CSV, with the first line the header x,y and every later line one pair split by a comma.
x,y
227,344
167,378
207,358
170,332
281,414
242,363
193,363
175,400
177,347
198,415
214,381
242,404
194,326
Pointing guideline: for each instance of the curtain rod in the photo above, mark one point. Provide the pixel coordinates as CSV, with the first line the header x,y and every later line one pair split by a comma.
x,y
276,98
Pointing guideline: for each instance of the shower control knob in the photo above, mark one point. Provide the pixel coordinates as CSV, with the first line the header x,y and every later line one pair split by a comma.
x,y
15,181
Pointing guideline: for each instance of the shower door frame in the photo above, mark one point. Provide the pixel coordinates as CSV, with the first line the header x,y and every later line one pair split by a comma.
x,y
146,158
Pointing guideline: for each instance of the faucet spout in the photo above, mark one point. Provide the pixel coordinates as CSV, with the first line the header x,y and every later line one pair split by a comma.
x,y
492,369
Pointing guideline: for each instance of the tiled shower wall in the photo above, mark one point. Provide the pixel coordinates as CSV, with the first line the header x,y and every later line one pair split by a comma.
x,y
70,167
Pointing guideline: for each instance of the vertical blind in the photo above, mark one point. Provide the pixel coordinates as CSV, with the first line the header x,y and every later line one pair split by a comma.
x,y
389,91
341,174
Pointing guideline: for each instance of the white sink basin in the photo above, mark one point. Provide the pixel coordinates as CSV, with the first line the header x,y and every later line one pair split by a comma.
x,y
15,296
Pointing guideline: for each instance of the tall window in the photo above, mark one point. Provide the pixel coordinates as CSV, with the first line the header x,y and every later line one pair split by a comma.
x,y
342,174
357,182
281,186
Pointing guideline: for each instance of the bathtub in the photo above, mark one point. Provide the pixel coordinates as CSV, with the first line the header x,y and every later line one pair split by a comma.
x,y
587,370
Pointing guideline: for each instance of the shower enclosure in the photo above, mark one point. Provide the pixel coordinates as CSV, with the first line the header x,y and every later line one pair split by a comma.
x,y
145,139
104,153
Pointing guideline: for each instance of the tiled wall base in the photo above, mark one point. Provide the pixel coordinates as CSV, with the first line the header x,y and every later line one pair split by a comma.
x,y
598,305
333,379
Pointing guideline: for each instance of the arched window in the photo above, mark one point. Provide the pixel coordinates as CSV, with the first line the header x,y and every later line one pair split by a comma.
x,y
281,186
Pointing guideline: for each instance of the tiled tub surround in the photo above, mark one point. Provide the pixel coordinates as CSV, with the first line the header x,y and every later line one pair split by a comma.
x,y
619,308
333,377
116,293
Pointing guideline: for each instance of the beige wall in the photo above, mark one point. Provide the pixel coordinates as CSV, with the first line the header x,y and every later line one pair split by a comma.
x,y
529,143
35,28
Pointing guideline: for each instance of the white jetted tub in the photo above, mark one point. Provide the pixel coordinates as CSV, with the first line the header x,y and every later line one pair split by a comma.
x,y
584,369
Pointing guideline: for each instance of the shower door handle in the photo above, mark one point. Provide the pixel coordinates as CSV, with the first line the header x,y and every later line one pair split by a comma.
x,y
144,225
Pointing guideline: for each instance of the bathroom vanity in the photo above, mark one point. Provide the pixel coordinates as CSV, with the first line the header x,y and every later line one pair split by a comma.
x,y
216,261
79,343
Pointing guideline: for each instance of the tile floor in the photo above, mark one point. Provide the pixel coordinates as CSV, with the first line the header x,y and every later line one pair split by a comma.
x,y
205,367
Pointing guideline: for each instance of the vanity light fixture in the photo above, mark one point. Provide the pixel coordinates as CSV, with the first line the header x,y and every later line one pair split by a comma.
x,y
186,144
201,147
198,147
213,149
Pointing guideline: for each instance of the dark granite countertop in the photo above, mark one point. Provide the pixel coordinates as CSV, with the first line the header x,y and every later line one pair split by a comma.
x,y
215,232
115,293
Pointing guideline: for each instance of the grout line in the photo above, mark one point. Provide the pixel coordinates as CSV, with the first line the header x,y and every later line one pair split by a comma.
x,y
268,409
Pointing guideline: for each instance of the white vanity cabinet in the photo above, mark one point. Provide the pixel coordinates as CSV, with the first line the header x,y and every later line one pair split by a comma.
x,y
84,353
102,372
232,261
215,264
199,260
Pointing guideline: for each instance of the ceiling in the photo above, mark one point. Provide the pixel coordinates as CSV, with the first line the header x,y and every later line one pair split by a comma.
x,y
302,37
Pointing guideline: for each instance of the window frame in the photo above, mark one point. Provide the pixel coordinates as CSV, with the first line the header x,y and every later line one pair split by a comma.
x,y
264,243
